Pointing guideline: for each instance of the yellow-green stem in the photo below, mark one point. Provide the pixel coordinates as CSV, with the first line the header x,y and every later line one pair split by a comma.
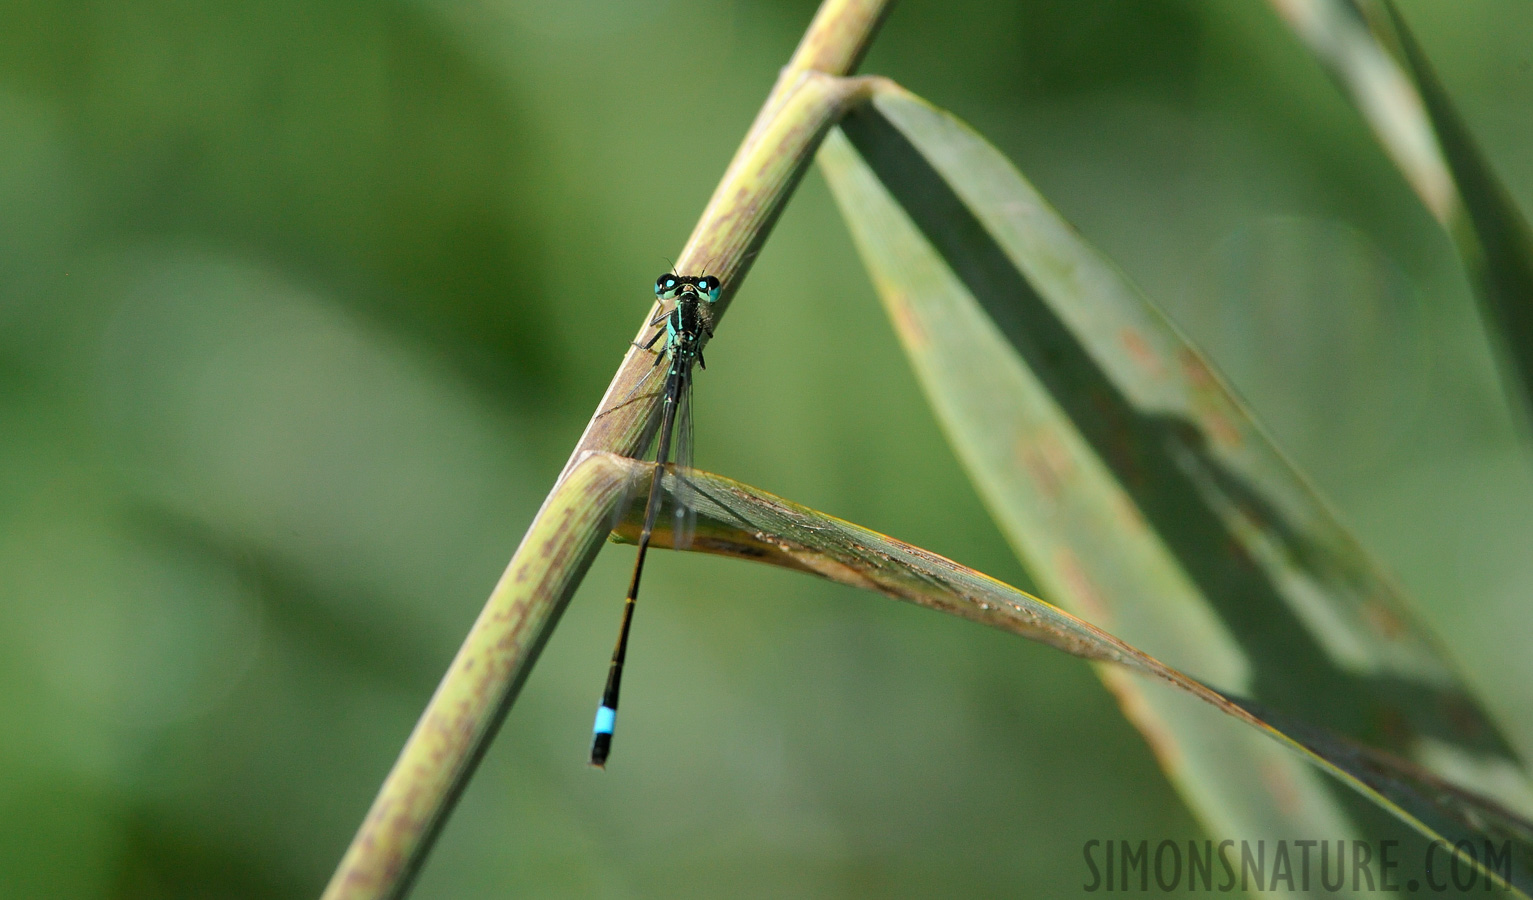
x,y
481,684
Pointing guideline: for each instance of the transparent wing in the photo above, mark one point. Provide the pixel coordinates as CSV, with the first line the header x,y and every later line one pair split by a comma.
x,y
646,441
683,512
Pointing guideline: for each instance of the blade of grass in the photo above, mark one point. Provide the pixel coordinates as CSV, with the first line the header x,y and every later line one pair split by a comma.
x,y
1136,488
1414,119
737,520
481,684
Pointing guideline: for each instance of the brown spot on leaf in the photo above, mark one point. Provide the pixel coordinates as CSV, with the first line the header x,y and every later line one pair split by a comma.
x,y
1221,431
906,322
1277,778
1046,462
1194,369
1130,697
1082,589
1382,619
1140,352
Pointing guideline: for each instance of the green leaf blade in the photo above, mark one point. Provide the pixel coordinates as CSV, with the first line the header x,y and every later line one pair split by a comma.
x,y
1417,124
744,522
1134,485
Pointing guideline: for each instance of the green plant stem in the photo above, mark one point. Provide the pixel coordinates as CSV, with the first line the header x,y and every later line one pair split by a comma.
x,y
482,682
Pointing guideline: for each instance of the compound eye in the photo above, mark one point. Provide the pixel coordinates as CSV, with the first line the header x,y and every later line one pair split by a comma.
x,y
710,286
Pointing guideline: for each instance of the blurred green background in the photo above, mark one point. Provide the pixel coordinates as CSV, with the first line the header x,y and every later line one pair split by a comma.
x,y
302,305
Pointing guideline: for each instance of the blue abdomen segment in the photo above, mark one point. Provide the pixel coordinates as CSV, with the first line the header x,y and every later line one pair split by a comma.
x,y
606,719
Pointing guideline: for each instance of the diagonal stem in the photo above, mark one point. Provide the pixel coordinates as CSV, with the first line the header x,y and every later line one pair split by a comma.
x,y
479,687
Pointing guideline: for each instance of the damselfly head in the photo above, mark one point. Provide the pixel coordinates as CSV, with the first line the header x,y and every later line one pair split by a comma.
x,y
670,284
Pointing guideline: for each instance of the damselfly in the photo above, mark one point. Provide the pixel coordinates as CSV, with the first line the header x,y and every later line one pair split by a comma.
x,y
685,326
